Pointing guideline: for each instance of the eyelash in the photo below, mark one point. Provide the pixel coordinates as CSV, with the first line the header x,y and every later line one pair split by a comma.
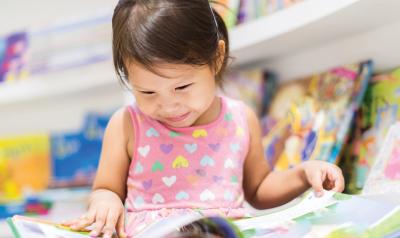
x,y
147,92
183,87
178,88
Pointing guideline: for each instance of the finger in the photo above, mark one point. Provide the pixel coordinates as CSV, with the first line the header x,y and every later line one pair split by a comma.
x,y
316,183
101,217
339,182
72,224
85,220
121,226
69,222
111,222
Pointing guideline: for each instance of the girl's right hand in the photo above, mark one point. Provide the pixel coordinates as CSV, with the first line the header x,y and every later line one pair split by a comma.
x,y
105,212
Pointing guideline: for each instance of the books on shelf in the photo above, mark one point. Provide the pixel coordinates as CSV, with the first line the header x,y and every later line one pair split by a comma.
x,y
55,47
253,87
24,165
76,155
310,118
70,44
332,215
384,176
228,10
252,9
32,163
13,56
378,112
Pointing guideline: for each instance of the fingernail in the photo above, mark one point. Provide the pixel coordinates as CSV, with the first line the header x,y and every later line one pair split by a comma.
x,y
93,234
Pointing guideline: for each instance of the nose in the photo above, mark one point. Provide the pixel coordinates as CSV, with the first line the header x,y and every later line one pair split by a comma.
x,y
168,106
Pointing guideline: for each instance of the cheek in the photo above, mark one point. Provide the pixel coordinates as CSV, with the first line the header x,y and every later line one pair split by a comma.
x,y
200,102
145,105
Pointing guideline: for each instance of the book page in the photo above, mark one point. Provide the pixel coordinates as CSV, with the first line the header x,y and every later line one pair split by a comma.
x,y
168,225
28,228
308,204
333,215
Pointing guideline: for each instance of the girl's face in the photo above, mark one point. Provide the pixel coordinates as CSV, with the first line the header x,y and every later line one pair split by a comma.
x,y
178,95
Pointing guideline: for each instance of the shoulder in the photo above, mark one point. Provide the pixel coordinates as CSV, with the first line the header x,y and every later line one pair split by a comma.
x,y
249,116
242,108
120,127
120,118
252,118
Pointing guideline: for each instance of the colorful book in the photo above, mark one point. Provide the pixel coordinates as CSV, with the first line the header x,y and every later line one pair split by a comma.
x,y
228,10
24,166
13,57
379,110
332,215
252,87
384,176
76,155
310,118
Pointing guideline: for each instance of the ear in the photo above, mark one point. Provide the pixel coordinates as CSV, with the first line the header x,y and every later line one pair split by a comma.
x,y
220,57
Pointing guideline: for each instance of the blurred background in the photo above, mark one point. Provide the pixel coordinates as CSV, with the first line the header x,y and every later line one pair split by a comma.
x,y
322,75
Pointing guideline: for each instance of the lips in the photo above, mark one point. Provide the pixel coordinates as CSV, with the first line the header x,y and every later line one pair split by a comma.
x,y
178,118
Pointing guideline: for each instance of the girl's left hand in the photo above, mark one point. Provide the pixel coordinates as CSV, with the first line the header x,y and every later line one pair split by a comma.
x,y
323,175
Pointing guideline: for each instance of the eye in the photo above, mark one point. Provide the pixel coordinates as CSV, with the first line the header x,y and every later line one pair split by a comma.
x,y
147,92
183,87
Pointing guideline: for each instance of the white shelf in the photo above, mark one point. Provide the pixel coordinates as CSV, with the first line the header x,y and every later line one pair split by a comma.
x,y
306,25
280,42
45,86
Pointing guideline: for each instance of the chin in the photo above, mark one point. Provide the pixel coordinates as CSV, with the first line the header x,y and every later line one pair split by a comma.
x,y
178,124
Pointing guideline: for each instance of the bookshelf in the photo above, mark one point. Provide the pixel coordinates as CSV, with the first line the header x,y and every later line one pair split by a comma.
x,y
308,37
59,83
315,35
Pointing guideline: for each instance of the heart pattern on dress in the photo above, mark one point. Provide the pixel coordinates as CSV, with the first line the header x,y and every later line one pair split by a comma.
x,y
169,181
207,195
182,195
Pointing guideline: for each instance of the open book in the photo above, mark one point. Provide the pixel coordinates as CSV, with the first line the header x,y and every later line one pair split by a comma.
x,y
24,227
332,215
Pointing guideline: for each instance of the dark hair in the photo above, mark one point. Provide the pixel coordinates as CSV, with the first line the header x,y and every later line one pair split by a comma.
x,y
167,31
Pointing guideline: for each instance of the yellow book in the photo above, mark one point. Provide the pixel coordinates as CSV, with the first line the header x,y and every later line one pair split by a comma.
x,y
24,165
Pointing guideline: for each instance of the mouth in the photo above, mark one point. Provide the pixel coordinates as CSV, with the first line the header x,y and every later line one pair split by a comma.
x,y
178,118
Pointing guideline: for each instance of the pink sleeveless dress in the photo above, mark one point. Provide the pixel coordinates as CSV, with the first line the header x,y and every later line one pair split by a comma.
x,y
184,170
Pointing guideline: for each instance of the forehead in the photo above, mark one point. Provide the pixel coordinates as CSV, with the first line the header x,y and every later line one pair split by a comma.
x,y
138,72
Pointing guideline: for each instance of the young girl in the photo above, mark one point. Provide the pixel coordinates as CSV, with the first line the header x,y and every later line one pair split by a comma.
x,y
182,148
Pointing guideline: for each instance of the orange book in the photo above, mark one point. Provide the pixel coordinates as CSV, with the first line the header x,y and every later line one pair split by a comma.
x,y
24,165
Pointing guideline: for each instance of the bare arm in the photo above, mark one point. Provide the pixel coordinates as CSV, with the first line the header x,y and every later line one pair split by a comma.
x,y
113,167
265,189
106,202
